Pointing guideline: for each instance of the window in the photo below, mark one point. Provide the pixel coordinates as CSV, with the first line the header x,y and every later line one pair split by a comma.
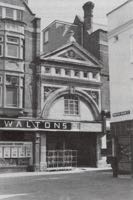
x,y
12,50
67,72
13,46
9,13
12,86
46,36
11,96
13,40
58,71
71,105
19,15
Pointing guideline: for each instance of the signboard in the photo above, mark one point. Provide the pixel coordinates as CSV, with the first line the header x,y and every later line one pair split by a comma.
x,y
33,124
127,112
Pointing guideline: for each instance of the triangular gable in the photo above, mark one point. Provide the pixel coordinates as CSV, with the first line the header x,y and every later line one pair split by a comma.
x,y
74,53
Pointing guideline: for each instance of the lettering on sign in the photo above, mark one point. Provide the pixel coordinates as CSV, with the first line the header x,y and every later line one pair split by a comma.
x,y
34,124
121,113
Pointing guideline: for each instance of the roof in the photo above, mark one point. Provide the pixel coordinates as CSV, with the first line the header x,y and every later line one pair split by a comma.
x,y
60,22
119,7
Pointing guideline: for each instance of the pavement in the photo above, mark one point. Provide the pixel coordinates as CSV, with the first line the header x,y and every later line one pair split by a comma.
x,y
72,171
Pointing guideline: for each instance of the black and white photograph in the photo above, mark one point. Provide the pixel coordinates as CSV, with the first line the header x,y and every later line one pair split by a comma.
x,y
66,100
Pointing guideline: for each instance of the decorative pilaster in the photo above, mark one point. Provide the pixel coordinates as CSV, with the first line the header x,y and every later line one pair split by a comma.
x,y
37,152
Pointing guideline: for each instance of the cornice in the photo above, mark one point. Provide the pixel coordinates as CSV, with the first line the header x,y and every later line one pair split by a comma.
x,y
65,80
122,28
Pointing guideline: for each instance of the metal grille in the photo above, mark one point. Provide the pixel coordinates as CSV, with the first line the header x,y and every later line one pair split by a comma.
x,y
61,159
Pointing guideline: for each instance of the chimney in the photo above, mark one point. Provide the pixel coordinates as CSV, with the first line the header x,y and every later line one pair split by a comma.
x,y
88,15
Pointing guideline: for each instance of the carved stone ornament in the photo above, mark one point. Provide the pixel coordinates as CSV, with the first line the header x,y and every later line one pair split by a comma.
x,y
94,95
48,90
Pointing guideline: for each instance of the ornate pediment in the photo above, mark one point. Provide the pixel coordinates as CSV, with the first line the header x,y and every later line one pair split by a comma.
x,y
72,55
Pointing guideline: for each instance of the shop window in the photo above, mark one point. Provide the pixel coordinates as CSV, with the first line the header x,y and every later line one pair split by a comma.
x,y
71,105
9,13
15,153
46,36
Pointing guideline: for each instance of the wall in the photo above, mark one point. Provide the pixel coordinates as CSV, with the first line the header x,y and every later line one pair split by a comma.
x,y
121,67
57,111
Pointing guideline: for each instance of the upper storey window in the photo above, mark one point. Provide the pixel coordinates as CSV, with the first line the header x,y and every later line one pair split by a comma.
x,y
10,13
46,36
13,47
19,15
13,40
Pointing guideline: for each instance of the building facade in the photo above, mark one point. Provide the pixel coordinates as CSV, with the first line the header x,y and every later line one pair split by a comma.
x,y
70,93
19,47
120,22
51,105
74,75
91,36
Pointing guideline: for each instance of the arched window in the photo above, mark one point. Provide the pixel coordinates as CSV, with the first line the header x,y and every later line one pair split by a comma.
x,y
71,104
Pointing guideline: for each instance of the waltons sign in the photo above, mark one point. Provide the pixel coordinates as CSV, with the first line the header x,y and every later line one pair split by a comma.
x,y
30,124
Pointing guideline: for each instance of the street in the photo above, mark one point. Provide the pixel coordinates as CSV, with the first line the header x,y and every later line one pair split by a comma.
x,y
78,186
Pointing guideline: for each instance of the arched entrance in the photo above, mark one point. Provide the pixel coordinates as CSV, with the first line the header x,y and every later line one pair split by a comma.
x,y
83,139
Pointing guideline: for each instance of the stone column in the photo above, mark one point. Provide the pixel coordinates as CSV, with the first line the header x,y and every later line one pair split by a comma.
x,y
98,148
43,163
37,152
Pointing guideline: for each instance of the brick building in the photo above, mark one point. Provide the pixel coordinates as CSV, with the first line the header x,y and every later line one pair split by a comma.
x,y
19,47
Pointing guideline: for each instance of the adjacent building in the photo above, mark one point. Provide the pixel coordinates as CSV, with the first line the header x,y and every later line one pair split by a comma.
x,y
120,37
19,47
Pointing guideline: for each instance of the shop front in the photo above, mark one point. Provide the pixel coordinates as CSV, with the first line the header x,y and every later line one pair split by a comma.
x,y
39,145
